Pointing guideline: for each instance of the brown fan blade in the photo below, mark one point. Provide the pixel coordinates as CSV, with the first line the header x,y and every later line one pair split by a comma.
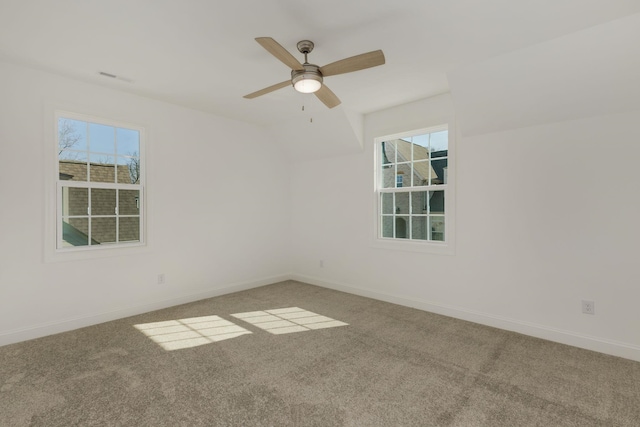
x,y
268,89
355,63
327,97
275,49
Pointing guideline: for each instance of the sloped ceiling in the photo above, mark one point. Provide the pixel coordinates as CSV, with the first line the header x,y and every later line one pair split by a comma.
x,y
588,73
201,54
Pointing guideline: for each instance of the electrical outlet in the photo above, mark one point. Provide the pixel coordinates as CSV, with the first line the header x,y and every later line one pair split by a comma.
x,y
161,279
588,307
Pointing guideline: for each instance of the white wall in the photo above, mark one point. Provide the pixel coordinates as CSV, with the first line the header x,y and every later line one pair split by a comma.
x,y
218,210
547,205
546,216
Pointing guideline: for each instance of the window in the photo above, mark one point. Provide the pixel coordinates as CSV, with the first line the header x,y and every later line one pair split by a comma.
x,y
100,183
411,184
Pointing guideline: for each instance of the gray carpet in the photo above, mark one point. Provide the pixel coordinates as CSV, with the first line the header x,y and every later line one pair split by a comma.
x,y
390,366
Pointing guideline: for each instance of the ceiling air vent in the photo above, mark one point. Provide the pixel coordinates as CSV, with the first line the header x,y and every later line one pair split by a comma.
x,y
102,73
113,76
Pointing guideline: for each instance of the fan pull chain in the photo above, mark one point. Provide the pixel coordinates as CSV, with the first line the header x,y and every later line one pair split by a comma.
x,y
310,118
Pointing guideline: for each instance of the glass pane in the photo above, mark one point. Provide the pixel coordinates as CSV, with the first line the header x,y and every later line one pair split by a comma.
x,y
103,201
103,230
72,165
419,230
439,147
436,223
402,203
388,176
128,142
387,226
403,170
436,202
439,165
387,203
439,141
128,170
72,135
129,202
74,232
129,229
403,150
388,151
102,139
421,171
420,147
418,202
102,168
402,223
75,201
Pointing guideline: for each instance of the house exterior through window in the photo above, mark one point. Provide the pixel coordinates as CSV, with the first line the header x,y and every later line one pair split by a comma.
x,y
412,186
100,183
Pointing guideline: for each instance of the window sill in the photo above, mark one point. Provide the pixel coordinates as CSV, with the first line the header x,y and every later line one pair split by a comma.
x,y
95,252
414,246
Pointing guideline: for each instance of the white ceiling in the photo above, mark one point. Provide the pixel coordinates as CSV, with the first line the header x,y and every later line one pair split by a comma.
x,y
202,54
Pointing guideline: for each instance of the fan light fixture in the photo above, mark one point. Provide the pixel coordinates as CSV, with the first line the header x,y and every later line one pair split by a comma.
x,y
308,80
307,85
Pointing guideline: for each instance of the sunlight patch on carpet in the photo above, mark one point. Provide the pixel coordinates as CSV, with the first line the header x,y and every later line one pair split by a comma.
x,y
288,320
190,332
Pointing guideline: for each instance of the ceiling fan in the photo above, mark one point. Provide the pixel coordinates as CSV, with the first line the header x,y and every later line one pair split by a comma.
x,y
308,78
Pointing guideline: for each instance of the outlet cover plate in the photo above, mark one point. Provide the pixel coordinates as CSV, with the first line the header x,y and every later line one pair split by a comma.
x,y
588,307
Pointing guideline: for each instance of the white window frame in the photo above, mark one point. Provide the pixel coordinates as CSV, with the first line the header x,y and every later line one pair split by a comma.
x,y
446,247
59,184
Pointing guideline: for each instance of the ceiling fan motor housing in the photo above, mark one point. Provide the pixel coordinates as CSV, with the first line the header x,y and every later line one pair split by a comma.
x,y
310,72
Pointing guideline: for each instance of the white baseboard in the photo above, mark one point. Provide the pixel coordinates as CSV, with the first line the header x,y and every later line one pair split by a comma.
x,y
602,345
64,325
